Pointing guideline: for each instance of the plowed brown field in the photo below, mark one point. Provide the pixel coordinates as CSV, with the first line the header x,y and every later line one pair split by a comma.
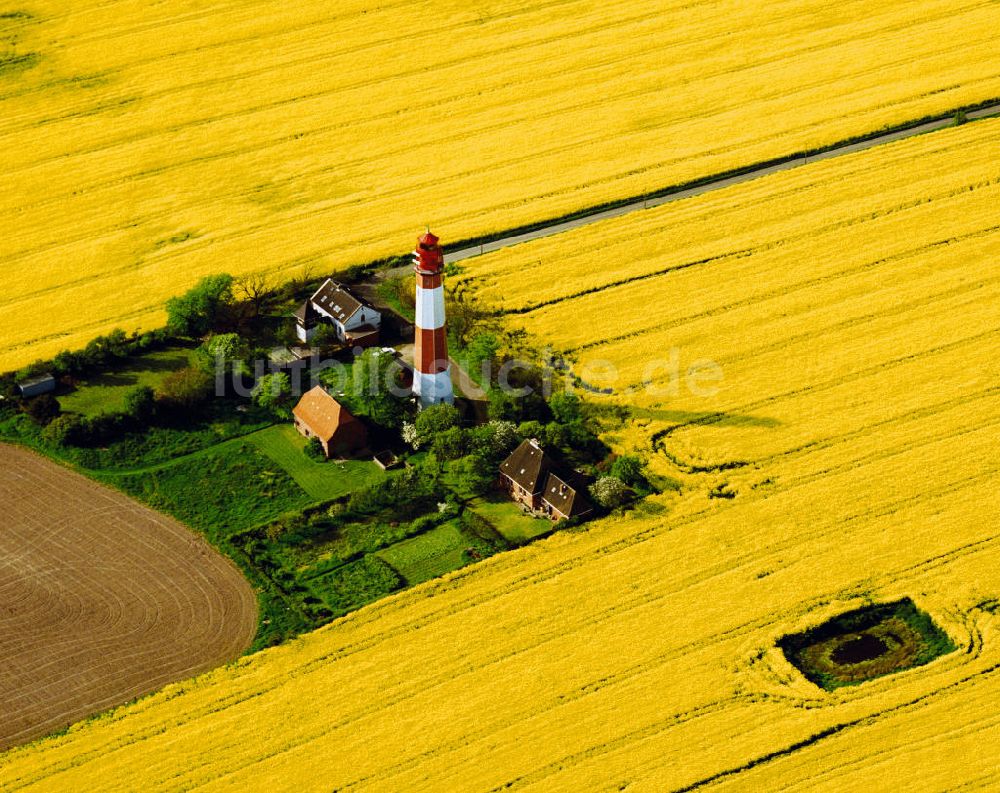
x,y
101,600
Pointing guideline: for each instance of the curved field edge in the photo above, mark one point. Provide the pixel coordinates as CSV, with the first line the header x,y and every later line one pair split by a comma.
x,y
105,600
177,148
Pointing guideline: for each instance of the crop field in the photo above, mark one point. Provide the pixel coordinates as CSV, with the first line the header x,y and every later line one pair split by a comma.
x,y
101,599
145,145
829,268
853,308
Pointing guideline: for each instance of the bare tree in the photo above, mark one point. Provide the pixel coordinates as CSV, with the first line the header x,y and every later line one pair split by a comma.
x,y
465,313
255,290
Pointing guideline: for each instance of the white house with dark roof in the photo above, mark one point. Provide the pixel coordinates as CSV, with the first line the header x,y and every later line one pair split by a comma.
x,y
357,323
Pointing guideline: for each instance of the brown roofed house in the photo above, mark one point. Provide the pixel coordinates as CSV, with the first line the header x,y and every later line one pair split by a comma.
x,y
562,500
318,415
528,476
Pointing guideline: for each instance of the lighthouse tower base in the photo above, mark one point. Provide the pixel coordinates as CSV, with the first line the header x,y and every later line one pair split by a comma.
x,y
433,389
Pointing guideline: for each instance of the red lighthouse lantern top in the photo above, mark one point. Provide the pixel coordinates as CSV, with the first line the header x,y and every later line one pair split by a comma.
x,y
428,258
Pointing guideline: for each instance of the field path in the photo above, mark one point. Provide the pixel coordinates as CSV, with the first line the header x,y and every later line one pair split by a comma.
x,y
102,600
706,186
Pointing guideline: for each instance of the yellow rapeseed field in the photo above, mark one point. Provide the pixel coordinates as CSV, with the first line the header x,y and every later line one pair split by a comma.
x,y
854,310
143,145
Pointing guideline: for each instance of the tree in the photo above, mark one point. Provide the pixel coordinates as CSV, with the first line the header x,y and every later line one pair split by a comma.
x,y
228,346
483,351
518,398
65,362
255,291
531,429
610,492
565,407
435,419
325,335
450,444
503,406
140,403
273,392
116,344
465,314
186,388
474,474
400,290
228,349
431,468
198,310
555,435
65,430
376,373
8,390
314,450
410,435
629,469
495,439
42,409
102,350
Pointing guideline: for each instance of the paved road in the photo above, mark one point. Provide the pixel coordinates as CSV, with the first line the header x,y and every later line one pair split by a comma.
x,y
560,227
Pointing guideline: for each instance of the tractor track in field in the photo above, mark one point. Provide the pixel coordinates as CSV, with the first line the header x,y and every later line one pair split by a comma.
x,y
743,253
102,600
712,183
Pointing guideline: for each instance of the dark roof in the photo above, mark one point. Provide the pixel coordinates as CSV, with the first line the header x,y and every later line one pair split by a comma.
x,y
44,379
321,413
428,240
564,497
527,466
305,312
336,301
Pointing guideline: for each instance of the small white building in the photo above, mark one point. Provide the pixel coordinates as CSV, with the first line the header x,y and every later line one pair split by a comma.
x,y
355,321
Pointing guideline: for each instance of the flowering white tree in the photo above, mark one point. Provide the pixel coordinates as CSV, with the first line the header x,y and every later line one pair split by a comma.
x,y
503,436
609,492
410,435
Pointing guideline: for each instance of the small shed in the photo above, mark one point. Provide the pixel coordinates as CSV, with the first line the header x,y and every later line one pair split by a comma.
x,y
43,384
386,460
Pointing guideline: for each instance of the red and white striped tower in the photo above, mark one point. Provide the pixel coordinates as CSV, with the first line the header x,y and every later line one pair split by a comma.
x,y
431,369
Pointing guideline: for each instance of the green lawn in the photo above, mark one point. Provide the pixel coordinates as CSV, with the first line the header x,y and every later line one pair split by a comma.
x,y
508,519
429,555
353,585
105,393
322,481
221,491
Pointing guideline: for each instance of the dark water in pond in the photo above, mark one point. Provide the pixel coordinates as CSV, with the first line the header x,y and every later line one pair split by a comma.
x,y
865,648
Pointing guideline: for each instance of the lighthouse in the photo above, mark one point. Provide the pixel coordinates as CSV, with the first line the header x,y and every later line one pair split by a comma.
x,y
431,369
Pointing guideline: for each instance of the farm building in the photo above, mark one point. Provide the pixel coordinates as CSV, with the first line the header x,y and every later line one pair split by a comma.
x,y
530,478
318,415
355,321
37,385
